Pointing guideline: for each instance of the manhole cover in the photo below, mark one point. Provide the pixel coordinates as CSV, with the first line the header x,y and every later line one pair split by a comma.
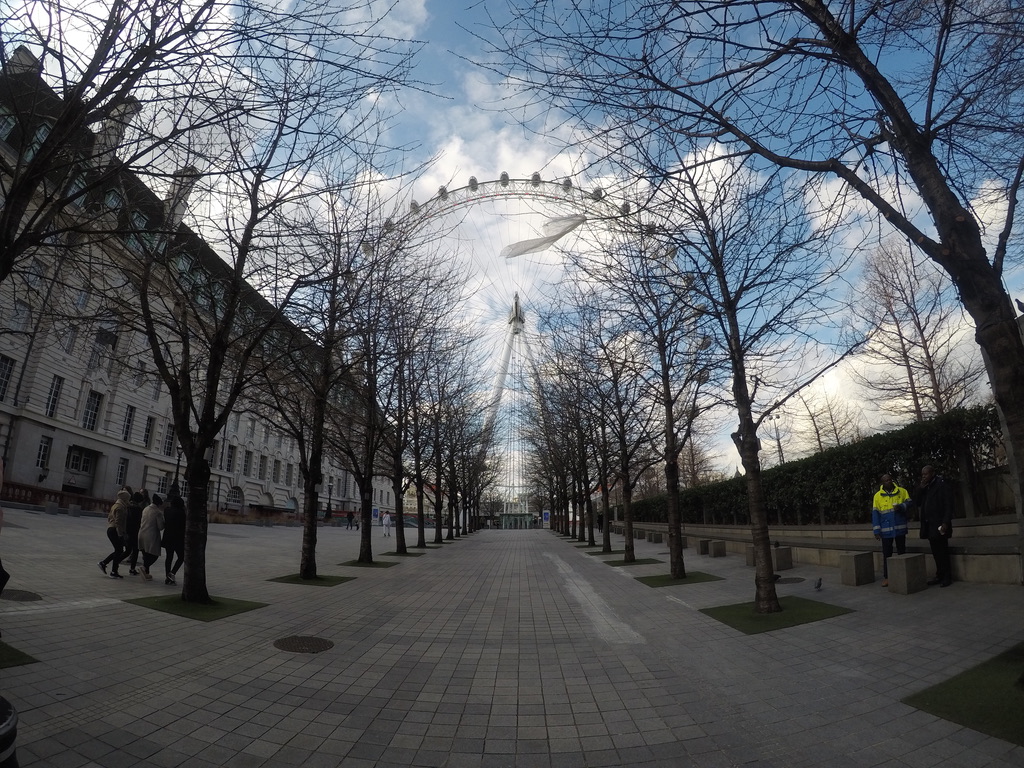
x,y
19,596
301,644
790,580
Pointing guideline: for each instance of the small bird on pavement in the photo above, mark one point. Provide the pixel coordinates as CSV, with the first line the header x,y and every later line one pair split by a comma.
x,y
817,584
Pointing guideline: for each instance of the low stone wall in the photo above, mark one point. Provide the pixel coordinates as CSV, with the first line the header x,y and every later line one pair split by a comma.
x,y
983,550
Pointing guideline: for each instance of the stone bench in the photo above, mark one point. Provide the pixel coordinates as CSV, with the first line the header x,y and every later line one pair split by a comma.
x,y
783,558
716,548
654,537
908,573
856,568
703,546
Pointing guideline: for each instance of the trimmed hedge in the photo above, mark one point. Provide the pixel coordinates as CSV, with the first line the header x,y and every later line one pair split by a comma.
x,y
835,486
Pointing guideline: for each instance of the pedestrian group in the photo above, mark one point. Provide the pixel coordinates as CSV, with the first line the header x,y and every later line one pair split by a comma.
x,y
138,524
891,510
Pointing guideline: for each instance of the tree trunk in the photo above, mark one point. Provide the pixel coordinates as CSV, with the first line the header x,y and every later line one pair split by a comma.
x,y
765,599
629,554
197,473
366,523
310,504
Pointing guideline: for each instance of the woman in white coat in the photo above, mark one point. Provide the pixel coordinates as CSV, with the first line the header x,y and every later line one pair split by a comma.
x,y
149,535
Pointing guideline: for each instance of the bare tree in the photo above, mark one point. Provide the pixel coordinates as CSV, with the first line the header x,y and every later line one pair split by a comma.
x,y
827,421
760,277
652,306
212,308
902,106
915,363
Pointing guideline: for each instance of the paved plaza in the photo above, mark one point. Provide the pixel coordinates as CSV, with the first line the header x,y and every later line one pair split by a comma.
x,y
504,648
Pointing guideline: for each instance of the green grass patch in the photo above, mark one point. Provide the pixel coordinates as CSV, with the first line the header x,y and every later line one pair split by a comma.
x,y
988,698
218,608
404,554
319,581
666,580
638,561
12,657
613,552
795,611
374,564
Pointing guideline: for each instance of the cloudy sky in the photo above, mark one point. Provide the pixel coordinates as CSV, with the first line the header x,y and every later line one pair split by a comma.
x,y
461,119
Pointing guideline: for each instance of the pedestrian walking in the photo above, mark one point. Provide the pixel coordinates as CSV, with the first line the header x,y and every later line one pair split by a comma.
x,y
349,518
149,534
116,532
133,520
174,534
387,523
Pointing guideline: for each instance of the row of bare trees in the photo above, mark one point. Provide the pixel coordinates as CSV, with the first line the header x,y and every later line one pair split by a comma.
x,y
214,171
876,119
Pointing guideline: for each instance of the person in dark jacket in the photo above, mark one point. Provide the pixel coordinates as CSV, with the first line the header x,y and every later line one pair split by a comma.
x,y
934,500
174,534
132,521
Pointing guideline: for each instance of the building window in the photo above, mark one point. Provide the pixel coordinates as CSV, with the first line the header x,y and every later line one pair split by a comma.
x,y
169,440
234,497
229,465
156,389
7,123
129,423
68,342
147,434
163,483
140,236
251,431
82,299
53,397
122,472
277,470
36,273
113,199
288,475
247,464
6,371
263,468
43,454
37,140
22,316
78,461
91,413
76,186
266,435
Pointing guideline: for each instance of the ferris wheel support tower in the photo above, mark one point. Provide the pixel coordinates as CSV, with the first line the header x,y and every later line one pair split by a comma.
x,y
516,322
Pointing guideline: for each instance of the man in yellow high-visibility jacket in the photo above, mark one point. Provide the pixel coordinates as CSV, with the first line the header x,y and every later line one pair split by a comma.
x,y
889,521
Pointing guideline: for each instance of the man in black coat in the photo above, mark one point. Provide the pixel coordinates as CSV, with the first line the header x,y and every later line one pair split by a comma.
x,y
934,499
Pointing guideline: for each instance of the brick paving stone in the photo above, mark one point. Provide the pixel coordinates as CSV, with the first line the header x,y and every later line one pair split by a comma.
x,y
507,648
